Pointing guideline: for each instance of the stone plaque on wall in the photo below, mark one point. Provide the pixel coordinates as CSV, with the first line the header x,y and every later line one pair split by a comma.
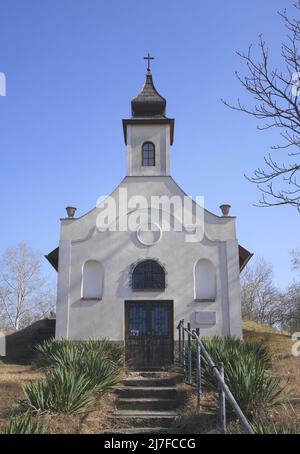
x,y
205,317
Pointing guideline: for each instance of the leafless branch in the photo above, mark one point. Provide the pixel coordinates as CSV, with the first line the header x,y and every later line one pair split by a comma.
x,y
275,96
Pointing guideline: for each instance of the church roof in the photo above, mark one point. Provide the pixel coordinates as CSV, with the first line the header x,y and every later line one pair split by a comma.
x,y
148,103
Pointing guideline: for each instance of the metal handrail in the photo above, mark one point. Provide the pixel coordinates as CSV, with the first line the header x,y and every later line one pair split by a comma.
x,y
219,374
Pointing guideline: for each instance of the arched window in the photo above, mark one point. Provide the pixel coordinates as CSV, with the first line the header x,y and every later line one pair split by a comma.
x,y
92,280
148,275
205,280
148,154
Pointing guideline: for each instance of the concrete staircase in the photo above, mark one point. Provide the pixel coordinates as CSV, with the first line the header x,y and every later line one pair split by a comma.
x,y
146,403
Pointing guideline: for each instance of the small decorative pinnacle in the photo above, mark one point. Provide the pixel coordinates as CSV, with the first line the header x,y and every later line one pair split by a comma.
x,y
70,212
148,58
225,209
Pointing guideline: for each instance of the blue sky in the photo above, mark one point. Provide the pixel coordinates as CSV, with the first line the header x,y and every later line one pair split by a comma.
x,y
72,67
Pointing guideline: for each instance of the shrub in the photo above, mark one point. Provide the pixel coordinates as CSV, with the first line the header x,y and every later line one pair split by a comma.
x,y
25,424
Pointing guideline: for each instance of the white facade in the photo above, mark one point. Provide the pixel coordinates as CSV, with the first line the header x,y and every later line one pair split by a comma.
x,y
95,265
79,317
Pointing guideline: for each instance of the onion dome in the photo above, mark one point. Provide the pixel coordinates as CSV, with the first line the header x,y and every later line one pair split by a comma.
x,y
148,103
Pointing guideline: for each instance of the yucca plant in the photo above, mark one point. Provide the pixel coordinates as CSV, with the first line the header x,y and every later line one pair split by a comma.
x,y
246,372
76,370
66,353
105,349
38,396
262,427
25,424
62,353
63,390
104,373
71,392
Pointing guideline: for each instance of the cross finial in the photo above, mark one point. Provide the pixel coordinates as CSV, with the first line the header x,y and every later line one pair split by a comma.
x,y
148,58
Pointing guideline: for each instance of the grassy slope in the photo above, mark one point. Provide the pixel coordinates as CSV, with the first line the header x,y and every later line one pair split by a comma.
x,y
285,366
279,342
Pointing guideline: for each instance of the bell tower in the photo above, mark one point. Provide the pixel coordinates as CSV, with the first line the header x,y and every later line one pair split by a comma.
x,y
148,133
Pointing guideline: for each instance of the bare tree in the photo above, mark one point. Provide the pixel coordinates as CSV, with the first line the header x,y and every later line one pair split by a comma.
x,y
25,295
276,103
295,259
261,300
292,298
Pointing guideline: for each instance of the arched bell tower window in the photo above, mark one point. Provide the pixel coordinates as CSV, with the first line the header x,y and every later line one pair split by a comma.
x,y
148,154
148,275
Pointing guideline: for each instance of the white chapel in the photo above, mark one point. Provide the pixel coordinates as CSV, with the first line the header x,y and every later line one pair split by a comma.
x,y
148,255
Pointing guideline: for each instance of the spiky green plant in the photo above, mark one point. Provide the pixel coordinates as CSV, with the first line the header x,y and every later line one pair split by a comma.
x,y
104,373
246,372
66,353
76,370
38,396
63,390
262,427
25,424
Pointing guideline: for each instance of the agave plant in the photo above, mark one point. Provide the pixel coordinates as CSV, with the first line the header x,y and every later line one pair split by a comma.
x,y
25,424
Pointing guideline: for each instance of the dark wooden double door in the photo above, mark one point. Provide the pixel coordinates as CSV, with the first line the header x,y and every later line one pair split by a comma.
x,y
148,334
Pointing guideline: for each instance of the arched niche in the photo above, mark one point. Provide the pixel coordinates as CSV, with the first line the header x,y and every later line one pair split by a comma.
x,y
92,280
205,280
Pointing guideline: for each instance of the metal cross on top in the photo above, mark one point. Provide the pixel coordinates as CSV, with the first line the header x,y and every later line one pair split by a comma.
x,y
148,58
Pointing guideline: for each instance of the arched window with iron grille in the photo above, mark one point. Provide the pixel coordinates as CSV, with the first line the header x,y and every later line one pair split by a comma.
x,y
148,275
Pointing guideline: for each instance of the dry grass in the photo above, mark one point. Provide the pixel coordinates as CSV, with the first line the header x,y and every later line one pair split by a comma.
x,y
285,366
192,421
279,342
94,421
14,376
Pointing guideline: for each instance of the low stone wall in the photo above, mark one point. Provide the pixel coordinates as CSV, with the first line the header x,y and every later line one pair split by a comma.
x,y
2,344
20,344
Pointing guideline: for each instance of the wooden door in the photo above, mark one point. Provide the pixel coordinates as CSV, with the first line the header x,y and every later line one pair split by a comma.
x,y
148,334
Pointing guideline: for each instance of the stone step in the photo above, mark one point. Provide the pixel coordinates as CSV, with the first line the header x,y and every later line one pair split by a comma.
x,y
147,391
151,374
151,382
138,418
146,404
